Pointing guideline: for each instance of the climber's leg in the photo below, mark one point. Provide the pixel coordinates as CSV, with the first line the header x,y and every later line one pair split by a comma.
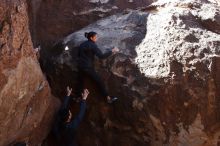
x,y
96,78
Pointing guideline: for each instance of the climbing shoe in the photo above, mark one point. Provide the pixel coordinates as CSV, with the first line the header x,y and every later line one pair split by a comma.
x,y
112,99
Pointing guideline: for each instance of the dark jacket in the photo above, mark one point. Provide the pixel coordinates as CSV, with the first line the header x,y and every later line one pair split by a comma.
x,y
70,128
63,111
87,52
65,133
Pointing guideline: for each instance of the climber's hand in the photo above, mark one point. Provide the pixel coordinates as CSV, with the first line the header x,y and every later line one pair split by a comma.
x,y
115,50
85,94
69,91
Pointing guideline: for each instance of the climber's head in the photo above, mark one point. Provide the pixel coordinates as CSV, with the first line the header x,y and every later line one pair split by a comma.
x,y
66,115
69,116
91,36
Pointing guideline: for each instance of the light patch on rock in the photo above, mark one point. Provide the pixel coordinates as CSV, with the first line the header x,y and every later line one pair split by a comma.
x,y
99,1
137,105
97,9
114,31
17,79
194,136
158,125
171,37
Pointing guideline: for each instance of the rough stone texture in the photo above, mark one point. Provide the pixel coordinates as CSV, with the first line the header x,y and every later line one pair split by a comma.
x,y
166,76
26,105
53,19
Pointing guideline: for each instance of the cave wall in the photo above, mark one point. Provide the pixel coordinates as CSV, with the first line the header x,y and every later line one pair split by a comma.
x,y
26,104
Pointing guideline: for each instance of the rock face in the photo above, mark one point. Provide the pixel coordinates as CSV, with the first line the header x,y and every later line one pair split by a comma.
x,y
52,20
166,76
26,105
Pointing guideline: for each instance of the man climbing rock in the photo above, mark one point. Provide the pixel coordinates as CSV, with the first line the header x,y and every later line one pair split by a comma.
x,y
65,127
87,52
62,113
70,125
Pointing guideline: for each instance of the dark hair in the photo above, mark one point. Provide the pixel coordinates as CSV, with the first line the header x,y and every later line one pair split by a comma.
x,y
64,114
90,34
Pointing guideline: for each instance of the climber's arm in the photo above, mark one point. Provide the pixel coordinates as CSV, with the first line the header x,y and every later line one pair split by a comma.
x,y
67,98
76,121
99,53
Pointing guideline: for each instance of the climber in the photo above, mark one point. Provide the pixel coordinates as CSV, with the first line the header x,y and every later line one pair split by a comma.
x,y
57,127
87,51
70,125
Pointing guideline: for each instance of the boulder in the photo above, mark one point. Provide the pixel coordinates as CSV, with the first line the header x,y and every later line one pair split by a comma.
x,y
51,20
26,104
165,76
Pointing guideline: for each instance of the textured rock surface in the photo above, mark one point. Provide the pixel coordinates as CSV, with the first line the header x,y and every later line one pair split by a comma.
x,y
166,76
52,20
26,105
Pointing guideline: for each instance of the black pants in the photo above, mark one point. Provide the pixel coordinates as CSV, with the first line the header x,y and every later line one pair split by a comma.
x,y
92,74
